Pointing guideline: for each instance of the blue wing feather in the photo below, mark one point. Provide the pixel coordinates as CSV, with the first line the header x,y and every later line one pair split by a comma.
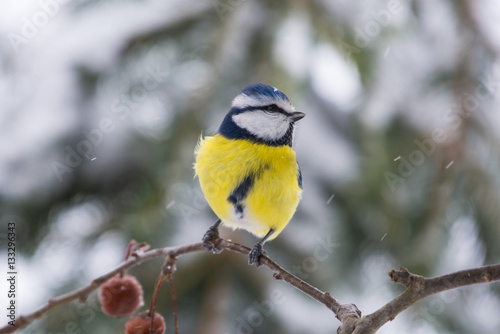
x,y
300,177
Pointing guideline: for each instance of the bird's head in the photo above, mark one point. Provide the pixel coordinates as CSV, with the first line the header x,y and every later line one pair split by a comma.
x,y
261,113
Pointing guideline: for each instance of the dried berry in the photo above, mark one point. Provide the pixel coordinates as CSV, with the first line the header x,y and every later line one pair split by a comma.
x,y
121,295
140,324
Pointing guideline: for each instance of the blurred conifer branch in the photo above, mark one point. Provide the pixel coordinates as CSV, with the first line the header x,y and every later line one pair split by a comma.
x,y
418,288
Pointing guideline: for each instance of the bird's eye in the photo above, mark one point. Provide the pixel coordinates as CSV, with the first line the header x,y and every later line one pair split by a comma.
x,y
273,108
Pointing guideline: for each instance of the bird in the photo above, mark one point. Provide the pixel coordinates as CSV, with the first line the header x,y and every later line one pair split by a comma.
x,y
248,170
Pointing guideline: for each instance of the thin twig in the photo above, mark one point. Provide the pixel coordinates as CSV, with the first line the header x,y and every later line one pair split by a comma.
x,y
158,284
281,274
174,302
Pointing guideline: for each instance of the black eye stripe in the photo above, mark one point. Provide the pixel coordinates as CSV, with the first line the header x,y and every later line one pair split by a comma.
x,y
265,108
273,107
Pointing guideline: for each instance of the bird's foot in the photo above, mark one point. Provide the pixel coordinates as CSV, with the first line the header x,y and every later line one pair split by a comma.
x,y
209,240
254,255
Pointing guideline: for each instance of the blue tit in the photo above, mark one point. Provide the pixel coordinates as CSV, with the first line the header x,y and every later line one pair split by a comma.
x,y
248,170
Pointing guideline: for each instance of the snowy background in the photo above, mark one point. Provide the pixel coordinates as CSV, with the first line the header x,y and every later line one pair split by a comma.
x,y
102,103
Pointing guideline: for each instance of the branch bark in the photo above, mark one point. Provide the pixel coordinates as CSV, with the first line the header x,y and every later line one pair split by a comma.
x,y
341,311
83,293
418,288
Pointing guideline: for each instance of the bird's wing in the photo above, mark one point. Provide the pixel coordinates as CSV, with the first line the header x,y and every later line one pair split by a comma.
x,y
300,176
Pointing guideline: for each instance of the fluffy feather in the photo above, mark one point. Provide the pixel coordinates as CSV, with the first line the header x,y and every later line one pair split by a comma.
x,y
223,164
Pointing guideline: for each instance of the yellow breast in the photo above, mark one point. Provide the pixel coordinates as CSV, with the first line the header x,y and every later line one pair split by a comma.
x,y
224,165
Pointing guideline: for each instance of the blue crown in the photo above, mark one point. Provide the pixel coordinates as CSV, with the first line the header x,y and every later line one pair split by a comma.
x,y
257,89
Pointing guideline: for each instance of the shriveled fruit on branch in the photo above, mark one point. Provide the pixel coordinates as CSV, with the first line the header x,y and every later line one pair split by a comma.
x,y
141,323
121,295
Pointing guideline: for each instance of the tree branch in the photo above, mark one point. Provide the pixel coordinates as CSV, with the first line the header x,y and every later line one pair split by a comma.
x,y
341,311
82,293
418,288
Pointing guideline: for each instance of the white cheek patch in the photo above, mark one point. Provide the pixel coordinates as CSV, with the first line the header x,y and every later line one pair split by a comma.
x,y
262,125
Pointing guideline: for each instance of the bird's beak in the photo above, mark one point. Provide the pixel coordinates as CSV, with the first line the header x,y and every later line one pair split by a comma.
x,y
295,116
